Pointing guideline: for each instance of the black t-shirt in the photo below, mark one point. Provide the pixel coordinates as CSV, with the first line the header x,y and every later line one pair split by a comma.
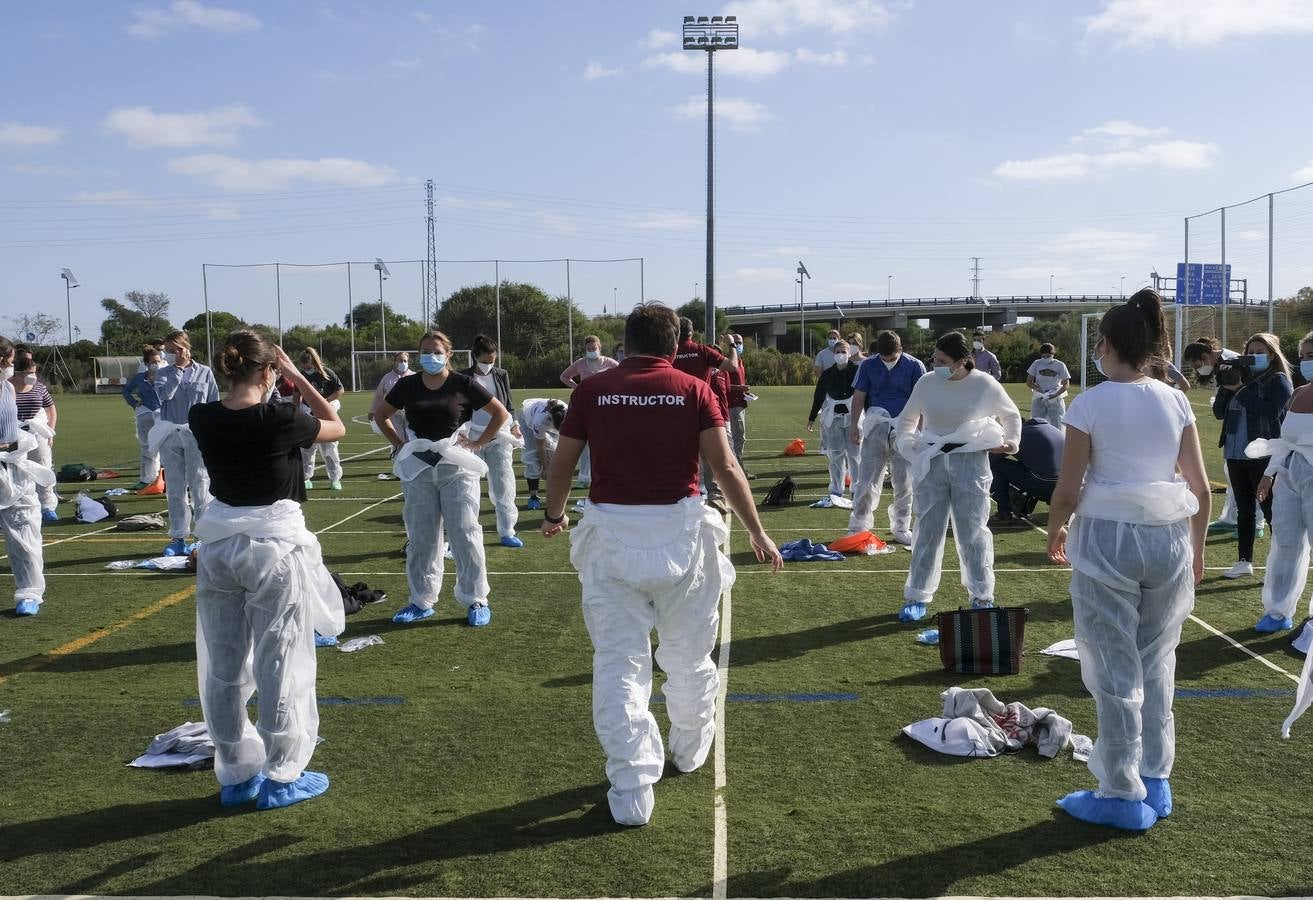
x,y
253,455
328,386
435,415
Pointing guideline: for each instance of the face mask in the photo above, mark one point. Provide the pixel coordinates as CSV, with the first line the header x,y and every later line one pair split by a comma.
x,y
831,342
7,372
738,348
978,345
1204,370
1260,362
592,354
170,358
402,368
484,368
889,363
944,372
29,379
433,363
141,368
269,392
841,359
153,367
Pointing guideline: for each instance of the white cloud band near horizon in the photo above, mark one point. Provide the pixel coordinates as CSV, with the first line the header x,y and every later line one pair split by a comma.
x,y
19,134
1148,24
256,175
736,112
181,15
217,127
1119,146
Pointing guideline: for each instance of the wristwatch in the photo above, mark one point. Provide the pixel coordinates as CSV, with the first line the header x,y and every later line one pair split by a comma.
x,y
554,520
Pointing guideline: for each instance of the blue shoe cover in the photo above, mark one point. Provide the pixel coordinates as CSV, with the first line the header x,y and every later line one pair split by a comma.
x,y
478,615
176,547
411,613
1130,815
1269,624
323,640
277,794
512,541
49,515
929,636
534,503
1160,796
1260,531
27,607
912,612
237,794
981,604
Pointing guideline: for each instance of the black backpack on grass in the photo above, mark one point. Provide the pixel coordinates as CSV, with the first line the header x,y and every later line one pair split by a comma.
x,y
72,472
781,493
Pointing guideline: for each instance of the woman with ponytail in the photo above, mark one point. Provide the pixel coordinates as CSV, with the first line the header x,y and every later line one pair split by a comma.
x,y
325,381
261,587
1139,512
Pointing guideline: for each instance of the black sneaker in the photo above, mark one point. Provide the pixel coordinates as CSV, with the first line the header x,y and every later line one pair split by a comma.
x,y
996,522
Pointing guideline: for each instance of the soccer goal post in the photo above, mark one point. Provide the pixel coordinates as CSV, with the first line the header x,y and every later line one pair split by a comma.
x,y
1089,336
369,366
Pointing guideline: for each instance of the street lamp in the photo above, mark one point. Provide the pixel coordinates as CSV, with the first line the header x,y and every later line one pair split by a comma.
x,y
1123,287
70,282
382,269
615,300
695,290
889,288
300,304
1051,294
802,304
709,34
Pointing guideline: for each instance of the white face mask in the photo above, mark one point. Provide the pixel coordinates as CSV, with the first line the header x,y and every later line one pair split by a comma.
x,y
484,368
944,372
593,354
1204,370
979,345
841,359
29,379
7,372
170,358
402,368
153,367
831,342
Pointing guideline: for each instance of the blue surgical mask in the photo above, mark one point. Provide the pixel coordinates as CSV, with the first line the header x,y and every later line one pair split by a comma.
x,y
1098,365
738,348
432,363
1306,369
944,372
1260,362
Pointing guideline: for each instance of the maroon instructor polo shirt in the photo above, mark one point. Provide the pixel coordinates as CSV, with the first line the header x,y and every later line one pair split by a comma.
x,y
642,421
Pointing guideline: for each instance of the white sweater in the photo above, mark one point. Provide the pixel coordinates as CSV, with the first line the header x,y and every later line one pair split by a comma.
x,y
946,405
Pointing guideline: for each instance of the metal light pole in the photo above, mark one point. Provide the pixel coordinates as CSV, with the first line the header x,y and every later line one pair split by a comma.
x,y
205,292
802,328
1123,287
1271,294
889,288
802,303
278,299
70,282
382,269
695,290
300,308
351,321
709,34
1051,294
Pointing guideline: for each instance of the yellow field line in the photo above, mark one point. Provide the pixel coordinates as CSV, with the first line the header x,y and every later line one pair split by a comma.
x,y
87,640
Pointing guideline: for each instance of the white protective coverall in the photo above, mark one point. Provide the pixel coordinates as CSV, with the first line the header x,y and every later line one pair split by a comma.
x,y
876,452
184,473
1132,587
332,458
262,592
534,428
20,517
1292,512
951,485
645,567
843,456
1051,409
39,427
499,456
439,498
150,459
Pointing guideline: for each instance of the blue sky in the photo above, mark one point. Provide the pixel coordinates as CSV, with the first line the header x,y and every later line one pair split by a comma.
x,y
868,137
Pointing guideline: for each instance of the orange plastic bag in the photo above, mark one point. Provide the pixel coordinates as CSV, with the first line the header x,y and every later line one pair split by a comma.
x,y
797,447
857,543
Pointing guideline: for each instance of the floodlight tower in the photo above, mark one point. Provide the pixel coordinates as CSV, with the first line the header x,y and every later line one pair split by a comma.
x,y
802,305
70,282
709,34
382,269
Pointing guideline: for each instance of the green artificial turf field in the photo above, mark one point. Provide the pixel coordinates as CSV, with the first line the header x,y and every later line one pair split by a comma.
x,y
464,763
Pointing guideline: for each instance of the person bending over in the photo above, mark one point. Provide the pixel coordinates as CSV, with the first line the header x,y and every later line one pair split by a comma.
x,y
1032,471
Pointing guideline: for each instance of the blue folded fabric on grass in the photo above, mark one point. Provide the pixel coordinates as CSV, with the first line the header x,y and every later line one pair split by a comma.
x,y
805,551
930,636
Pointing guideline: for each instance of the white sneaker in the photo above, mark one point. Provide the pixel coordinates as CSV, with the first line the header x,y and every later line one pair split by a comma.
x,y
1239,570
902,537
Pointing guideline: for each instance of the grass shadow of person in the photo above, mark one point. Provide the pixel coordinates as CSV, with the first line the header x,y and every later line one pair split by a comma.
x,y
747,651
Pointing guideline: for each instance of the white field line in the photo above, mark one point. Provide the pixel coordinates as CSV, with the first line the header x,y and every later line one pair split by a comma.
x,y
359,512
720,847
76,537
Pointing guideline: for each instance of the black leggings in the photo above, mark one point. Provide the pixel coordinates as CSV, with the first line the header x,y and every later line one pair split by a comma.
x,y
1245,476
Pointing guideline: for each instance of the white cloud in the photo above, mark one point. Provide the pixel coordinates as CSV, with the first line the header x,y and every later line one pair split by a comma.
x,y
658,40
1101,241
669,220
423,18
16,134
744,63
242,175
1120,129
835,58
765,273
1197,23
595,70
1175,155
180,15
1302,176
218,127
738,113
839,17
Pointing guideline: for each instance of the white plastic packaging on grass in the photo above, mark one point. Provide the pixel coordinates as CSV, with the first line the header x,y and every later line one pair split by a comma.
x,y
359,643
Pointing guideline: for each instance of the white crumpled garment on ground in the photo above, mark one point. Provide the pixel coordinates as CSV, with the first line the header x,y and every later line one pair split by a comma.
x,y
976,723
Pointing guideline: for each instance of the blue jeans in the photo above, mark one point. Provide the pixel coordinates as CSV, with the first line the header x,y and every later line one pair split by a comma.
x,y
1010,473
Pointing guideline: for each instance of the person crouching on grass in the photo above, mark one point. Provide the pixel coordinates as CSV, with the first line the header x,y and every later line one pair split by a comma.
x,y
648,553
262,590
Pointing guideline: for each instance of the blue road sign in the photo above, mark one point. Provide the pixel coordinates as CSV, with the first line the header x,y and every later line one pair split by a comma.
x,y
1207,284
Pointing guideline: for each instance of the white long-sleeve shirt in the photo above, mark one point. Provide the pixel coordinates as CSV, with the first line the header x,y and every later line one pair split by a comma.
x,y
944,406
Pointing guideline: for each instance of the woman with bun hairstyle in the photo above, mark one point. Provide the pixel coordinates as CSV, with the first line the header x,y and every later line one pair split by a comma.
x,y
1138,511
953,420
261,587
180,384
326,382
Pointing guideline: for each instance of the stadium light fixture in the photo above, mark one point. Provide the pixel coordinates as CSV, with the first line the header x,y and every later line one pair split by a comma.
x,y
70,282
382,269
709,34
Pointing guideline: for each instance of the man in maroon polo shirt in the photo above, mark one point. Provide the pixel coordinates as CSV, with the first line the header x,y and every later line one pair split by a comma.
x,y
648,553
705,363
